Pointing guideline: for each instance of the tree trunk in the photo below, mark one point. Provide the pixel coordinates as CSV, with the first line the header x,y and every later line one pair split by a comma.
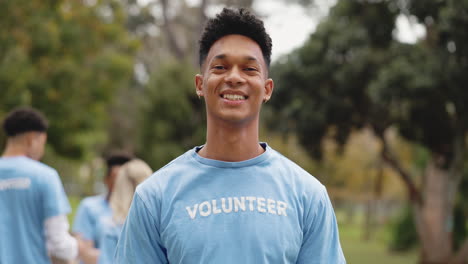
x,y
434,216
368,223
199,29
434,202
174,46
372,203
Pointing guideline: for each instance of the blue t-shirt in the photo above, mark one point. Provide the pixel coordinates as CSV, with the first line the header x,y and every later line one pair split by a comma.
x,y
90,210
30,193
108,234
263,210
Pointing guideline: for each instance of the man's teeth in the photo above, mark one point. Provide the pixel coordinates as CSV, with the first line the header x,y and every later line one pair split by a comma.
x,y
233,97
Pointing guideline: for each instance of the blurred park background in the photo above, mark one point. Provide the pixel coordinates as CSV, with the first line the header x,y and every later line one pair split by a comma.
x,y
372,100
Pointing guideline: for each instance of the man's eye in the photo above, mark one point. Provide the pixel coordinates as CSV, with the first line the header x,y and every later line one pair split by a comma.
x,y
250,69
219,67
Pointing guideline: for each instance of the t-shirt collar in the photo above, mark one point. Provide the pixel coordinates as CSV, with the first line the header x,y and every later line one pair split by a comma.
x,y
228,164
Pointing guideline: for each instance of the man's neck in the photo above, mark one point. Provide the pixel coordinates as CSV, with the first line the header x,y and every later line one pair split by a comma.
x,y
231,142
13,150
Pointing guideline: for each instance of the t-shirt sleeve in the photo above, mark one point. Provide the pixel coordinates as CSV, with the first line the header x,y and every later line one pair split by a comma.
x,y
55,199
83,222
140,240
321,243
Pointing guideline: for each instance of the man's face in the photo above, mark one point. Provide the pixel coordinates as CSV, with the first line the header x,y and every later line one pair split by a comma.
x,y
234,80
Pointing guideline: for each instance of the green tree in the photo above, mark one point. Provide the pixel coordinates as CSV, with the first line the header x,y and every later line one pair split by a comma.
x,y
352,73
66,58
173,118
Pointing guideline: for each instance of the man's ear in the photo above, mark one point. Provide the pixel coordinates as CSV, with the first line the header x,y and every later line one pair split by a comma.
x,y
269,86
29,138
199,84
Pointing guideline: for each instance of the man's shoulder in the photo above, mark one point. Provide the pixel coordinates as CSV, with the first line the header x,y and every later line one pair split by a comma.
x,y
92,202
282,161
94,199
174,169
28,167
44,168
293,171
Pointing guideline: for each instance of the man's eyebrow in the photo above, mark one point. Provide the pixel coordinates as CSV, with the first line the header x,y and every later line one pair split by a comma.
x,y
220,56
224,56
250,58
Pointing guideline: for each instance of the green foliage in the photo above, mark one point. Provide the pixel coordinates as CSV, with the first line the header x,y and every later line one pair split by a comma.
x,y
460,223
65,58
412,87
351,73
323,84
404,236
173,119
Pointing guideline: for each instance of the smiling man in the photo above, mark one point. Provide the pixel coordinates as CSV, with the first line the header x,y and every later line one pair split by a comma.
x,y
233,199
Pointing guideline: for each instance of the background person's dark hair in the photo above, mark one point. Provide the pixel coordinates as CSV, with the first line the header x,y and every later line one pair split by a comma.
x,y
24,119
117,158
240,22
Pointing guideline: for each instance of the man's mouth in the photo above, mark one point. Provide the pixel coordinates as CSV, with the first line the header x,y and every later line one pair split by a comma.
x,y
234,97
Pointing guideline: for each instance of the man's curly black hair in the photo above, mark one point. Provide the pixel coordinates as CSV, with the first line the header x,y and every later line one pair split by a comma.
x,y
24,119
240,22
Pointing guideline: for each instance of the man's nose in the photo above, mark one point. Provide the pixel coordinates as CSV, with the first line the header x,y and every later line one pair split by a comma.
x,y
234,76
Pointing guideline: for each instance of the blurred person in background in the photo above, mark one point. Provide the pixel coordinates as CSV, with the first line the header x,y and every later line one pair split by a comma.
x,y
91,209
33,203
234,199
129,176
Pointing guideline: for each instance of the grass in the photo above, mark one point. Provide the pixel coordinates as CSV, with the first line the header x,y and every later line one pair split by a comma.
x,y
74,202
375,250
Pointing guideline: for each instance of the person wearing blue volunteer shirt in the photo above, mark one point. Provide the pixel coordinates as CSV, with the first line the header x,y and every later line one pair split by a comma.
x,y
234,199
33,222
91,209
130,175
